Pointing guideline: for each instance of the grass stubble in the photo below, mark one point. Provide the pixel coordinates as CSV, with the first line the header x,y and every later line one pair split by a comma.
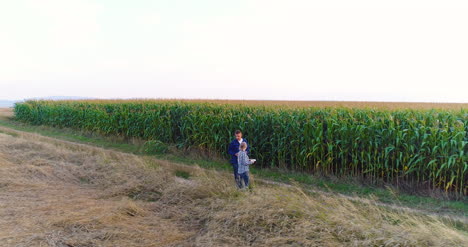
x,y
58,193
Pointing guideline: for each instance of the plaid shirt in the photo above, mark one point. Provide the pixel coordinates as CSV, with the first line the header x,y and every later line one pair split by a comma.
x,y
243,161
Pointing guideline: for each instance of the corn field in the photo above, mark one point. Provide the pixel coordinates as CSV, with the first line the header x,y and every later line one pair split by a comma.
x,y
426,148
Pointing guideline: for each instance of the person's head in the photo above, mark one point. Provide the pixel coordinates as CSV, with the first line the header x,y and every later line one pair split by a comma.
x,y
243,146
238,134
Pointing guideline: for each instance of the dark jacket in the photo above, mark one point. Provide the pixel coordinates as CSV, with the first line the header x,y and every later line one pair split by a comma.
x,y
234,148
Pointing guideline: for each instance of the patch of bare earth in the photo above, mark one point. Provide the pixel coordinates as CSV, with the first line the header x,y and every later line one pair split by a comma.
x,y
58,193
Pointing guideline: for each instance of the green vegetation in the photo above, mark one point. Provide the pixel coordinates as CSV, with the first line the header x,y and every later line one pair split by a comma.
x,y
155,147
182,174
424,148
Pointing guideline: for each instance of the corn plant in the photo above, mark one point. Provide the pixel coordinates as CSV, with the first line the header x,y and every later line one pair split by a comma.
x,y
419,147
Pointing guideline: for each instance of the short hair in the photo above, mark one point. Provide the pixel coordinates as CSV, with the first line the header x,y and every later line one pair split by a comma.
x,y
237,132
243,145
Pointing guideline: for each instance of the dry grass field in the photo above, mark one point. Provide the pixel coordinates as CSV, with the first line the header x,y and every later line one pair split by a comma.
x,y
6,112
59,193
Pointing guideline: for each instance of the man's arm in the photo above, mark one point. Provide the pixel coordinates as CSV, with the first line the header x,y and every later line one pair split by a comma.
x,y
232,149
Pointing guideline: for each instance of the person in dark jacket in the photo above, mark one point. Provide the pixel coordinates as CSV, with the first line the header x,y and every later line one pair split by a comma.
x,y
233,150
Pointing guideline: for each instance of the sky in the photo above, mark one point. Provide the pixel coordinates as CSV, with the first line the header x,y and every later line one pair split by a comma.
x,y
362,50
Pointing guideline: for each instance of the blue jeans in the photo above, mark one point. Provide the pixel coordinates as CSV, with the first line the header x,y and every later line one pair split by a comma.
x,y
236,175
245,178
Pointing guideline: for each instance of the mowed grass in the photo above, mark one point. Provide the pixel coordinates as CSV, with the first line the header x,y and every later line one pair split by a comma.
x,y
79,195
435,204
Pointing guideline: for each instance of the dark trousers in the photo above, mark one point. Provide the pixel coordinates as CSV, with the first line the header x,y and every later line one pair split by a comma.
x,y
244,177
236,175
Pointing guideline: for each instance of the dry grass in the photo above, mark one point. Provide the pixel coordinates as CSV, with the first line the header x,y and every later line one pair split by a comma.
x,y
57,193
70,198
6,112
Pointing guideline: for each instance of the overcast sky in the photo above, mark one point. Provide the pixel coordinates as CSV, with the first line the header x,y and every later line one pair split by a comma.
x,y
243,49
